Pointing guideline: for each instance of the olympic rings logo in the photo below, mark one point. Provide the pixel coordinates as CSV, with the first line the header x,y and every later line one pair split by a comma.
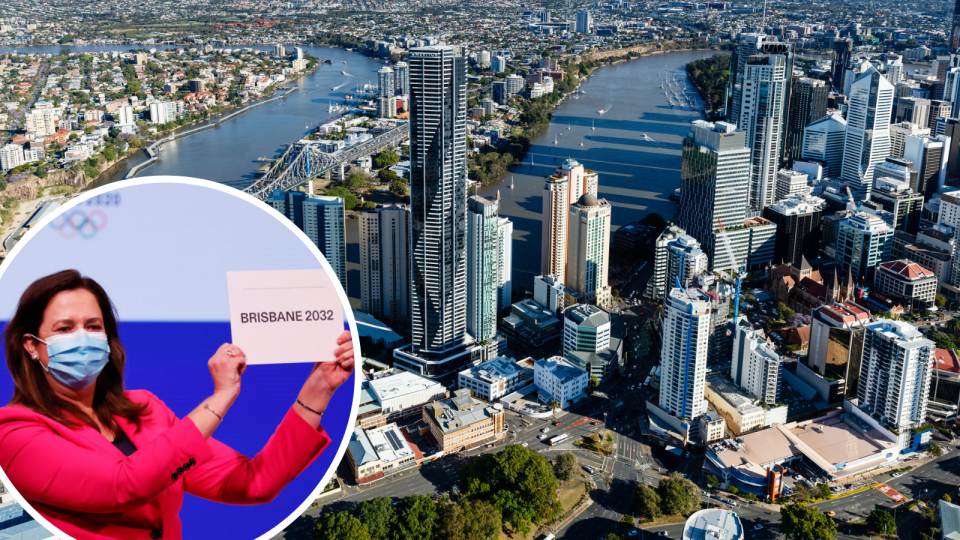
x,y
77,223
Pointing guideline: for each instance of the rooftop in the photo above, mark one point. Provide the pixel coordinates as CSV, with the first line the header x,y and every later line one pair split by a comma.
x,y
947,361
844,313
736,397
907,270
499,368
384,443
561,369
713,524
587,315
401,384
459,412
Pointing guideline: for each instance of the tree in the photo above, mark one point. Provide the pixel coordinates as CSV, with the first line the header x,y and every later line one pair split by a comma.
x,y
648,502
416,516
801,522
349,200
553,404
947,497
593,384
625,520
784,312
823,490
355,182
385,160
881,522
712,481
469,520
801,493
940,301
386,175
378,515
934,449
566,467
678,495
398,188
612,536
341,526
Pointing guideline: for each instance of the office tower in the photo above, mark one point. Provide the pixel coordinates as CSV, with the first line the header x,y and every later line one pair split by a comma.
x,y
913,110
951,90
498,64
895,374
950,127
544,16
498,92
592,340
278,50
748,45
514,84
483,267
683,355
387,105
867,141
892,67
553,252
842,51
756,367
125,116
798,227
438,225
588,249
863,242
908,284
900,132
892,191
762,115
584,22
807,105
290,204
823,142
401,78
791,183
714,180
938,108
836,346
323,223
384,261
658,286
685,261
929,157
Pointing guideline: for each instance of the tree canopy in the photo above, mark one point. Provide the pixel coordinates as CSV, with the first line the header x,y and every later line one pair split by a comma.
x,y
378,515
340,526
801,522
678,495
647,502
566,467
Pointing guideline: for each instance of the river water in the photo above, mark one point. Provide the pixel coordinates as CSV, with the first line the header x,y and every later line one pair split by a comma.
x,y
634,146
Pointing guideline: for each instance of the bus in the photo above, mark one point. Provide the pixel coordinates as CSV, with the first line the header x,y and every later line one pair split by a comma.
x,y
558,439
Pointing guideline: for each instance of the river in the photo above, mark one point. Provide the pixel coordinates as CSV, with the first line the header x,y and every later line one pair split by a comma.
x,y
634,145
634,148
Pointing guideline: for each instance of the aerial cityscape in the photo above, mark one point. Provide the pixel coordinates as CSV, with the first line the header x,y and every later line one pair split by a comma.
x,y
753,207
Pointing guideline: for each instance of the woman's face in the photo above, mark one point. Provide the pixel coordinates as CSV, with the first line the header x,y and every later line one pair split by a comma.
x,y
66,313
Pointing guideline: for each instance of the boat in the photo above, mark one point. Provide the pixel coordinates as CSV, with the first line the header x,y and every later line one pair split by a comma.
x,y
675,196
601,111
568,128
554,139
343,73
511,182
593,126
581,142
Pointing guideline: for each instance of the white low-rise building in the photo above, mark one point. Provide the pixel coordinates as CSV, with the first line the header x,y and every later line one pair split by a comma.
x,y
379,450
556,378
403,395
494,379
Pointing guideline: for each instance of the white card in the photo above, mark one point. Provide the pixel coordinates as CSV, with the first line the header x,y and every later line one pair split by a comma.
x,y
285,316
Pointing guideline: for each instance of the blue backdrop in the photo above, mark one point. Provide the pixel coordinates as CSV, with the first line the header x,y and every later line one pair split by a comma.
x,y
161,251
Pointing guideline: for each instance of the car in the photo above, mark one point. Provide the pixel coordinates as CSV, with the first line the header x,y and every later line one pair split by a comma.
x,y
544,430
541,437
688,455
524,445
557,423
895,475
757,527
662,533
831,513
595,423
632,533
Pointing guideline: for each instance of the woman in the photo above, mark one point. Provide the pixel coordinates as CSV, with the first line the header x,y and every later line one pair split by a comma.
x,y
103,463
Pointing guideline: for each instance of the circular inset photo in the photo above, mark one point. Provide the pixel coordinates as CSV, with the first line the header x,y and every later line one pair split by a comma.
x,y
179,363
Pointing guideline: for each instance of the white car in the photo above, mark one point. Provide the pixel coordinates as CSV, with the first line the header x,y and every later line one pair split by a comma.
x,y
544,430
524,445
541,437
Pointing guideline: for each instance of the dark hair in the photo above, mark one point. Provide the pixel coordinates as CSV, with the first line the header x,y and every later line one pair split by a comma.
x,y
32,389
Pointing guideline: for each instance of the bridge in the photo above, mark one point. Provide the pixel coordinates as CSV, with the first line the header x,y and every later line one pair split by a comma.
x,y
304,161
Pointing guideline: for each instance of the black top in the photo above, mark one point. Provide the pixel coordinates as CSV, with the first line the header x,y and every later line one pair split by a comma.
x,y
122,442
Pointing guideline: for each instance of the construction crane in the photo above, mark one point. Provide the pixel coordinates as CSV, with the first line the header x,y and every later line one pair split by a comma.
x,y
742,269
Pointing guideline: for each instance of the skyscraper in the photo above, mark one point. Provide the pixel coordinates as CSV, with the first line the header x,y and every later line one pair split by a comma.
x,y
401,78
867,141
762,115
929,158
658,287
387,105
842,51
900,132
683,355
913,110
588,249
323,223
438,207
384,262
863,242
823,142
685,260
938,108
955,29
807,105
836,347
553,252
895,373
484,264
892,190
748,45
756,367
798,227
584,22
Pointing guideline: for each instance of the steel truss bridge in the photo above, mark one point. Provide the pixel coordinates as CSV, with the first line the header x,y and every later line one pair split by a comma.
x,y
303,161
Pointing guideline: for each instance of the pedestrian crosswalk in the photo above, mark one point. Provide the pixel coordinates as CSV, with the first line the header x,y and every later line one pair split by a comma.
x,y
644,466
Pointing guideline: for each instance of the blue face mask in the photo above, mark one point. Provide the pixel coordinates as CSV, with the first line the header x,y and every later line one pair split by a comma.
x,y
76,359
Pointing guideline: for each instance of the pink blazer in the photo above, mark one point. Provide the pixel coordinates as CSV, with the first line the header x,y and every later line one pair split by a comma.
x,y
87,488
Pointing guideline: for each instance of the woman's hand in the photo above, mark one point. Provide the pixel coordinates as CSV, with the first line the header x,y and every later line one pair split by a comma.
x,y
325,378
226,366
